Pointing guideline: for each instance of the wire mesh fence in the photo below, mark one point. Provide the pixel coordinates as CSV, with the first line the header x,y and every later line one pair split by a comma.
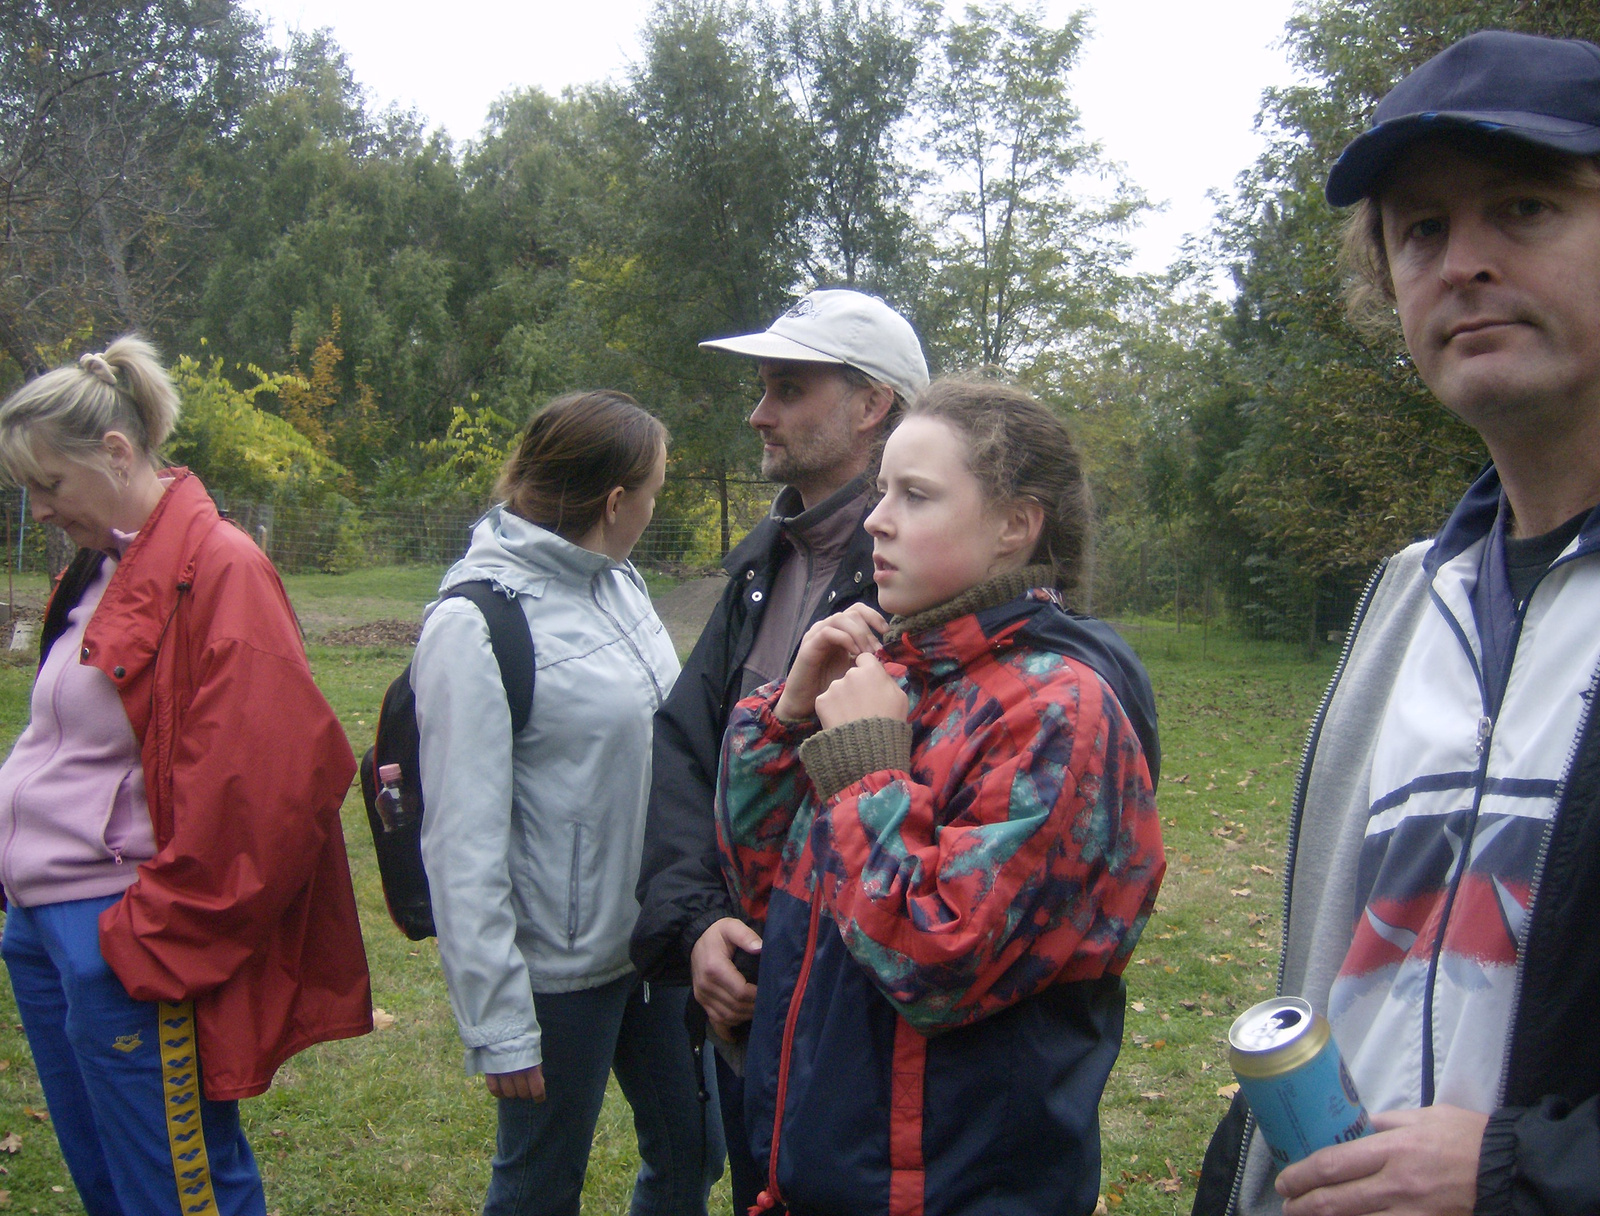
x,y
1140,575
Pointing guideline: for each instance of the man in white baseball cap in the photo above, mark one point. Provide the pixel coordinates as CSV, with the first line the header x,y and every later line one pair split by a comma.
x,y
835,369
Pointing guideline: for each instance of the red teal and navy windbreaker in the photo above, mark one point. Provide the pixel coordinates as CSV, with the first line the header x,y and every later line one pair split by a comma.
x,y
939,1000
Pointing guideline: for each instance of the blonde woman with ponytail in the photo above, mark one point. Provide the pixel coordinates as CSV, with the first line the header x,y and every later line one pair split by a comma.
x,y
180,917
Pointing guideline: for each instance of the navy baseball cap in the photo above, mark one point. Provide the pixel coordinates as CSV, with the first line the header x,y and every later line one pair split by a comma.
x,y
1543,91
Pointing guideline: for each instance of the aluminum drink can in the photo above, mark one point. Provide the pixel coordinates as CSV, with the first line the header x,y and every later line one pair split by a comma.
x,y
1291,1073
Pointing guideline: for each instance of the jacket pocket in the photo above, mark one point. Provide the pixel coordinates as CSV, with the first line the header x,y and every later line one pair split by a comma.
x,y
575,885
120,826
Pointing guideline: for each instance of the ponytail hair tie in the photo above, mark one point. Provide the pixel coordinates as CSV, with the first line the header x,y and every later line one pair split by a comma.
x,y
96,366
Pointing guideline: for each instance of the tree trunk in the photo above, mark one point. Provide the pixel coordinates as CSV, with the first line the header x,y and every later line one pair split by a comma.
x,y
22,351
722,507
58,550
115,248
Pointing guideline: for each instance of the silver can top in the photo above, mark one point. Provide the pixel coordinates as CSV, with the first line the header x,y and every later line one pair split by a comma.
x,y
1271,1025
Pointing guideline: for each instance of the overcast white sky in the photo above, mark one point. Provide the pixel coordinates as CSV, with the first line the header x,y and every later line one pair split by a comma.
x,y
1169,87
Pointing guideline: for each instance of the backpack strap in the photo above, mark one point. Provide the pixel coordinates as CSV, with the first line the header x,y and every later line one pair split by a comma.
x,y
511,641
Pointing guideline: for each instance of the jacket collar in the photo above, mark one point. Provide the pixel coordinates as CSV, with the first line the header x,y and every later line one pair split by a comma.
x,y
522,557
999,590
1024,609
159,563
1474,518
974,622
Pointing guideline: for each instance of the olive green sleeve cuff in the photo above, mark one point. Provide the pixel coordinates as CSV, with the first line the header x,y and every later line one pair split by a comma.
x,y
843,754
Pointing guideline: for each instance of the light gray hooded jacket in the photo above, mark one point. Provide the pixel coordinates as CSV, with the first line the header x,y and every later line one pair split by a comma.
x,y
532,845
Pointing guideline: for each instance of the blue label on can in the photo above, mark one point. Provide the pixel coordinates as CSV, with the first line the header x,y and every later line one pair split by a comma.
x,y
1308,1108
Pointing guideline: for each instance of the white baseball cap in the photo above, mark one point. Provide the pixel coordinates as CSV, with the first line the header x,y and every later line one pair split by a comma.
x,y
841,326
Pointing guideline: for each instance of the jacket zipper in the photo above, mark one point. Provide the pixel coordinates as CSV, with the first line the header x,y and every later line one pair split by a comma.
x,y
1485,735
772,1197
1296,808
1486,728
1544,852
594,594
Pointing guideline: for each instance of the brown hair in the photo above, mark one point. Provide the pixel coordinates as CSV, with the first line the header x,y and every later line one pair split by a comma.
x,y
574,452
1020,450
122,388
1363,259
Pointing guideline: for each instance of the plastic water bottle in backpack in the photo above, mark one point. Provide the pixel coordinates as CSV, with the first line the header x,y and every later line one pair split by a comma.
x,y
390,802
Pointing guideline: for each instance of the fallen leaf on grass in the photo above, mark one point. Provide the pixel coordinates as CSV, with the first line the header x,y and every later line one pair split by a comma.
x,y
11,1143
1153,1095
1179,780
1268,870
1171,1184
5,1199
59,1190
4,1064
1100,1206
381,1019
1241,892
38,1116
1227,1091
1138,1006
1188,1004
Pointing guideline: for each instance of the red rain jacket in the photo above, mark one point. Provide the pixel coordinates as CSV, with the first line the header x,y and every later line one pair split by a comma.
x,y
247,908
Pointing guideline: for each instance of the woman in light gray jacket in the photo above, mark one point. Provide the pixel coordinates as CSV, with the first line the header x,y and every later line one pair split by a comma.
x,y
532,843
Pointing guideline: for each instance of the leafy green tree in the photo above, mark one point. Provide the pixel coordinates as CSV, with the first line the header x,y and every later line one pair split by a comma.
x,y
320,207
235,446
1027,256
703,236
100,106
850,69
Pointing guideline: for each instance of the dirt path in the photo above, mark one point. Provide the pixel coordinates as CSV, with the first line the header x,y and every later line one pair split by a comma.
x,y
687,607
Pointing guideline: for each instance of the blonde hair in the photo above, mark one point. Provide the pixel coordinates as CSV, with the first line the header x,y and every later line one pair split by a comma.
x,y
70,410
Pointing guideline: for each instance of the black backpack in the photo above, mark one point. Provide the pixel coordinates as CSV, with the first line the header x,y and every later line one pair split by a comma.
x,y
405,882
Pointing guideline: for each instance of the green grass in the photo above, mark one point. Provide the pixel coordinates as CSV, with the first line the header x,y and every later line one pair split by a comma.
x,y
388,1124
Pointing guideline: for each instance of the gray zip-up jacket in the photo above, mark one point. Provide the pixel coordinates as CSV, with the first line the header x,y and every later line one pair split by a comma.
x,y
532,845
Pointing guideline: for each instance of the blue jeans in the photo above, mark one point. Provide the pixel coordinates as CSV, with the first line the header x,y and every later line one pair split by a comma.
x,y
121,1077
747,1177
542,1148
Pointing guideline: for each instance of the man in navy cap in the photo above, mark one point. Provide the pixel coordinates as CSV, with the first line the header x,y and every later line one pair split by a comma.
x,y
1444,865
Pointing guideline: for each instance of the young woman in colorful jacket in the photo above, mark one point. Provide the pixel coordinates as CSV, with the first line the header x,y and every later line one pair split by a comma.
x,y
945,827
181,919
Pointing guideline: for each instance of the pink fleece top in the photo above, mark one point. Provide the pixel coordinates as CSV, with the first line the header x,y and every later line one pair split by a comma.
x,y
73,819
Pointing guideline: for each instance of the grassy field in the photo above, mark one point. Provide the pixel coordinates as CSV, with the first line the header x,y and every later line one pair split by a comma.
x,y
387,1125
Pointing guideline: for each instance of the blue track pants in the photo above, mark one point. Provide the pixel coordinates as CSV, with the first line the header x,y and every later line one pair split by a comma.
x,y
122,1078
